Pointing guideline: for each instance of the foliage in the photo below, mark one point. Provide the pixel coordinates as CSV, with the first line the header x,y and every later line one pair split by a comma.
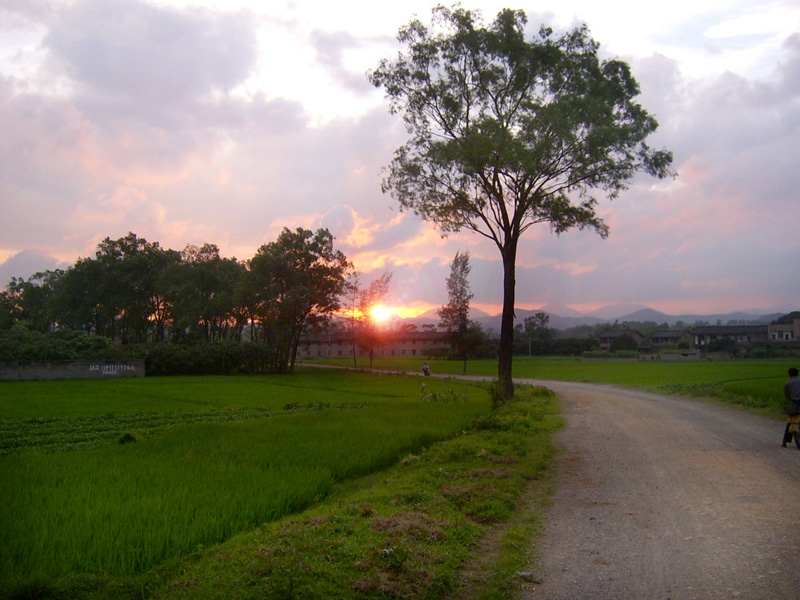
x,y
134,292
597,354
209,358
533,337
574,346
771,352
30,301
497,394
624,342
21,343
189,358
722,344
787,319
116,294
203,291
464,335
506,133
299,281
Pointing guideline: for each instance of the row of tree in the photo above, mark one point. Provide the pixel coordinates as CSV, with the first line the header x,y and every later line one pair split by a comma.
x,y
134,292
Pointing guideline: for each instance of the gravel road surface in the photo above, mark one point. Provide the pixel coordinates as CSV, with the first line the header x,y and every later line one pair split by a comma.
x,y
667,498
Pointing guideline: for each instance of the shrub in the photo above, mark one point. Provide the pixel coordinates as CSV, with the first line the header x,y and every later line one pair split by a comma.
x,y
20,343
209,358
597,354
623,343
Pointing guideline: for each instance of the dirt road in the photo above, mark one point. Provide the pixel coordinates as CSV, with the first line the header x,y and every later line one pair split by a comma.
x,y
664,498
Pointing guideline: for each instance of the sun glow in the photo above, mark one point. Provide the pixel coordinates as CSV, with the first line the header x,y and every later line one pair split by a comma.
x,y
380,313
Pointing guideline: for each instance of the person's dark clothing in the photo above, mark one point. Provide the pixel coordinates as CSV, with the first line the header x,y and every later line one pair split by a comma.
x,y
792,390
792,393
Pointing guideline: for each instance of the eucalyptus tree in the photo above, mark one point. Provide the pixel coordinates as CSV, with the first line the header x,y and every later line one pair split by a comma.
x,y
202,292
127,292
9,308
539,336
297,282
507,132
464,335
79,302
32,300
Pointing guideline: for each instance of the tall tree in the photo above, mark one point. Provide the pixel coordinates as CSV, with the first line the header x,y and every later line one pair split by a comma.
x,y
32,301
454,317
351,295
507,133
79,303
537,333
202,290
299,280
127,290
367,332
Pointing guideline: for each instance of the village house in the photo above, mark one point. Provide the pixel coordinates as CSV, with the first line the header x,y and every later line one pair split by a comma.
x,y
784,332
745,335
671,336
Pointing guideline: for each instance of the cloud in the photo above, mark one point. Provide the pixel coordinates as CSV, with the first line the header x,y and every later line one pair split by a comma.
x,y
130,59
332,49
27,263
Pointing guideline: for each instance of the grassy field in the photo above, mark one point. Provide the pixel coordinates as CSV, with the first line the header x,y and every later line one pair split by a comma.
x,y
323,484
755,385
147,487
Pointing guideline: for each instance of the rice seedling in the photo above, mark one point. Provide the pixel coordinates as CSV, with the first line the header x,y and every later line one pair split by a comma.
x,y
194,479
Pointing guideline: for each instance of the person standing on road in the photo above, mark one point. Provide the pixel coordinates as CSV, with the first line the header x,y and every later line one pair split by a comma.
x,y
791,390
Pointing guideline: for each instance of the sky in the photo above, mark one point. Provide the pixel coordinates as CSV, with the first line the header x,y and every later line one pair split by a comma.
x,y
222,122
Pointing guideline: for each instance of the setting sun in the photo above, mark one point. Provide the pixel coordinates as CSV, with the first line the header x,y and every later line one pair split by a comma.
x,y
380,313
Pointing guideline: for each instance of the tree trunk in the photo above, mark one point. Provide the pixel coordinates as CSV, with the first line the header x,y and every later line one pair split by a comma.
x,y
504,375
353,325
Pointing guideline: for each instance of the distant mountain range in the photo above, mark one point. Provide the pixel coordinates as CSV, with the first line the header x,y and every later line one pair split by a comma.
x,y
563,317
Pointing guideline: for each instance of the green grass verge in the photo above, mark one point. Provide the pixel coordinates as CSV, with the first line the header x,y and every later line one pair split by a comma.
x,y
409,531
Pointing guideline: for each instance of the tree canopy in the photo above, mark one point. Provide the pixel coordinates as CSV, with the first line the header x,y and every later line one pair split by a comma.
x,y
507,132
133,291
300,278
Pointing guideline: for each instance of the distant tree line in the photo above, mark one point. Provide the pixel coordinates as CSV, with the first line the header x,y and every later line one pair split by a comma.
x,y
533,337
135,293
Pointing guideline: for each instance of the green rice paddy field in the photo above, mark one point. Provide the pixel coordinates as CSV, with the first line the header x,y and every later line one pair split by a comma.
x,y
756,385
113,478
117,476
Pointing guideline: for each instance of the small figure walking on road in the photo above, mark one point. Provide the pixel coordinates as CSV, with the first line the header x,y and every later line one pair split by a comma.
x,y
791,390
426,369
